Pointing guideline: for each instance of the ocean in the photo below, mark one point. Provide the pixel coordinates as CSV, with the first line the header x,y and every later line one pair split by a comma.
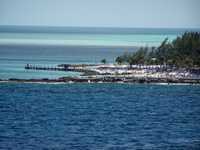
x,y
90,116
99,116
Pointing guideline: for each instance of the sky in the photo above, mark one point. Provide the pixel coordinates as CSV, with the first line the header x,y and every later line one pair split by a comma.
x,y
102,13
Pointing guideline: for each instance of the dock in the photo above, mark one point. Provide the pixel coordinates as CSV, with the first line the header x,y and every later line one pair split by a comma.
x,y
66,67
37,67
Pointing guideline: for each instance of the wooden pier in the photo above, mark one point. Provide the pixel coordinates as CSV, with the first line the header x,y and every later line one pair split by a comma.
x,y
66,67
35,67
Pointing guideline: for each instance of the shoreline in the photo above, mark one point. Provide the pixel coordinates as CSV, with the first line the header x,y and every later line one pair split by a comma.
x,y
114,73
124,80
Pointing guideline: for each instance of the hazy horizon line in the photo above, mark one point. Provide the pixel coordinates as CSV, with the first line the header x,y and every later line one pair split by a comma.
x,y
113,27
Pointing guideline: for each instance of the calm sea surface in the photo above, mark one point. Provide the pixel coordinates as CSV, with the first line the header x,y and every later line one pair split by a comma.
x,y
99,116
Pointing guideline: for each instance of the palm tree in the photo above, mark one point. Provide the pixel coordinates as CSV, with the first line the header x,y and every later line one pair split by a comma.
x,y
104,61
119,60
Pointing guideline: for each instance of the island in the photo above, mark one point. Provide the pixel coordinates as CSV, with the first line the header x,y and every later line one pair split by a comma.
x,y
176,61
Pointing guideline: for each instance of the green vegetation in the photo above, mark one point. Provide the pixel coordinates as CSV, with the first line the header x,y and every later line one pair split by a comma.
x,y
184,51
104,61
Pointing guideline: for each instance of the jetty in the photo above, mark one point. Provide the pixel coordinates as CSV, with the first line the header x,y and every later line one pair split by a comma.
x,y
35,67
85,69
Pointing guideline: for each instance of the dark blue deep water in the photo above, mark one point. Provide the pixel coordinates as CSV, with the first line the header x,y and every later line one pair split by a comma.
x,y
99,116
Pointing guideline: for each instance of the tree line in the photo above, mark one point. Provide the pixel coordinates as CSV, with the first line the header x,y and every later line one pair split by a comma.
x,y
184,51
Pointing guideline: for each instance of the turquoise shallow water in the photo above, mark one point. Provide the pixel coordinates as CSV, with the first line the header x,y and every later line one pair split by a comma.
x,y
85,36
84,39
99,116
